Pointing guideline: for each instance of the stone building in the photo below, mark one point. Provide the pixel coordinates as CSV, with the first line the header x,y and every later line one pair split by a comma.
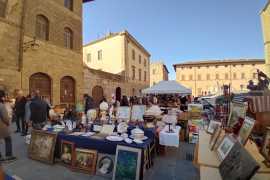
x,y
207,77
265,19
120,54
41,48
158,72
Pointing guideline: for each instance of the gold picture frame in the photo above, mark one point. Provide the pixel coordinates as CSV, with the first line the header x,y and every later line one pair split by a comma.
x,y
67,153
85,160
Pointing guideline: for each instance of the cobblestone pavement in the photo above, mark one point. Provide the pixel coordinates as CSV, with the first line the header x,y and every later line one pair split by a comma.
x,y
172,166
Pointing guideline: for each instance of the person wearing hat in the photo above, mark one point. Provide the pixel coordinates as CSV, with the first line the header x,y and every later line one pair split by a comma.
x,y
4,129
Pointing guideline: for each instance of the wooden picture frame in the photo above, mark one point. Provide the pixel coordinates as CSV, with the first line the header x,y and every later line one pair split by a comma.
x,y
236,110
225,147
42,146
137,112
127,163
67,153
212,126
245,130
265,151
238,164
214,138
85,160
105,165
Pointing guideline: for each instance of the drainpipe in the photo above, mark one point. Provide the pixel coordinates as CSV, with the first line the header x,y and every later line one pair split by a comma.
x,y
20,59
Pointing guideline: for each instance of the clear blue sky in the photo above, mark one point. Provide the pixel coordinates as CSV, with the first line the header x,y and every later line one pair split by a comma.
x,y
182,30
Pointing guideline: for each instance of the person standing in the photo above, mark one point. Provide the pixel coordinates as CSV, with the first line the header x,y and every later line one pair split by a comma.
x,y
19,110
4,130
88,103
38,111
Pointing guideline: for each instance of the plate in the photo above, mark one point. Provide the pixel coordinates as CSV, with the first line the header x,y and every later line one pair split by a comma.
x,y
114,138
127,140
144,138
138,141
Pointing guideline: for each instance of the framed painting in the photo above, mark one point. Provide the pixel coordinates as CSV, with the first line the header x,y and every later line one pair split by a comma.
x,y
127,163
42,146
225,147
212,126
265,151
123,112
245,130
237,110
67,153
238,164
85,160
137,112
214,138
105,165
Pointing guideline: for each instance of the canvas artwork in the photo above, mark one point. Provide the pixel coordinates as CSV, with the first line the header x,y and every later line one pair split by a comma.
x,y
225,147
266,146
85,160
238,164
105,165
245,130
42,145
138,112
127,163
237,110
67,153
214,138
123,112
212,126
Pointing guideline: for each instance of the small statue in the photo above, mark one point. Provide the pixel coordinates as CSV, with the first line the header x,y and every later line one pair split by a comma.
x,y
263,82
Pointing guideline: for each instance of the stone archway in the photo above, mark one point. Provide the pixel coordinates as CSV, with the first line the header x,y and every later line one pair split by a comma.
x,y
118,94
97,94
67,90
42,83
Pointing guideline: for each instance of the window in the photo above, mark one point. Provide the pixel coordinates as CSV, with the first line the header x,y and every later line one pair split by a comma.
x,y
154,71
140,59
199,77
183,78
234,65
199,91
69,4
208,76
243,76
68,38
100,55
253,64
226,76
133,54
207,67
190,77
199,67
217,76
145,78
140,74
42,27
133,73
144,62
190,67
226,65
89,57
234,76
216,66
3,6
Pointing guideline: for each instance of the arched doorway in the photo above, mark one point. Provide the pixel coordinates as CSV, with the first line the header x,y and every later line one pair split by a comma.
x,y
118,94
133,91
67,90
97,94
41,82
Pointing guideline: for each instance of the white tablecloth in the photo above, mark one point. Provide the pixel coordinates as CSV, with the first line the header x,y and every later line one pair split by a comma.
x,y
169,139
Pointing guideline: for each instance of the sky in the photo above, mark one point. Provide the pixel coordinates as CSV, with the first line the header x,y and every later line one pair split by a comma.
x,y
176,31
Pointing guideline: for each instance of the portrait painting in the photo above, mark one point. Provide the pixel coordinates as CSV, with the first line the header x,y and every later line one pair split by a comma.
x,y
138,112
105,165
67,153
123,112
85,160
212,126
127,163
237,110
42,146
245,130
266,146
214,138
225,147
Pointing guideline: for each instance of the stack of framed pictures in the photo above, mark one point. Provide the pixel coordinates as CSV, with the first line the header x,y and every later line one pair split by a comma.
x,y
237,110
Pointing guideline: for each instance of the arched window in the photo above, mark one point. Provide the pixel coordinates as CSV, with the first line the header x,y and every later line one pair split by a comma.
x,y
42,27
68,38
69,4
3,6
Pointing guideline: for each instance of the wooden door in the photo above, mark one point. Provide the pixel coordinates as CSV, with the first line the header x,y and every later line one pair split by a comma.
x,y
118,94
42,83
67,90
97,94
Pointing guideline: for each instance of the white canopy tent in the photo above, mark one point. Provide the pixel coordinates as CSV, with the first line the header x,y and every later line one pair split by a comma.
x,y
167,87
